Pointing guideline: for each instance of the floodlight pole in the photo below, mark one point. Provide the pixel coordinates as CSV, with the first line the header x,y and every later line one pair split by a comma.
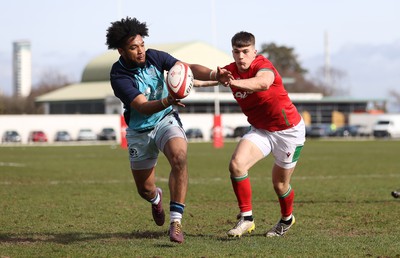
x,y
218,138
327,66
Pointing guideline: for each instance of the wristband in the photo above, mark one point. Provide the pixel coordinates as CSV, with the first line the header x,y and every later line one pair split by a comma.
x,y
164,102
211,75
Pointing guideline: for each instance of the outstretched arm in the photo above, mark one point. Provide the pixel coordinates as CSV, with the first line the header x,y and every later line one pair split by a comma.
x,y
219,76
262,81
201,72
198,83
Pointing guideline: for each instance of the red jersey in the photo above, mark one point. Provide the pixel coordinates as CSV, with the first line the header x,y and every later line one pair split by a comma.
x,y
271,109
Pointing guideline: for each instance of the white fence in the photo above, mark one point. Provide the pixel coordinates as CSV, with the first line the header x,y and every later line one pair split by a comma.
x,y
50,124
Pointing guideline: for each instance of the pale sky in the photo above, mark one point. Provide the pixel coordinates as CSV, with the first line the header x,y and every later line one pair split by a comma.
x,y
364,41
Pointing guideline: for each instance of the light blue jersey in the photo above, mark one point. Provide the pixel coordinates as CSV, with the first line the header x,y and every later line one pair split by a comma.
x,y
151,84
149,81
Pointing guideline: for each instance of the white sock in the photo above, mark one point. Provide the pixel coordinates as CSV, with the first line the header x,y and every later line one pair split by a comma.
x,y
287,218
156,199
175,216
247,213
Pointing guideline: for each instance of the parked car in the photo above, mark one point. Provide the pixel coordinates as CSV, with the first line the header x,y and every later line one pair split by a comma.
x,y
107,134
387,126
240,131
37,136
227,132
318,130
346,131
11,136
86,135
194,133
62,136
364,131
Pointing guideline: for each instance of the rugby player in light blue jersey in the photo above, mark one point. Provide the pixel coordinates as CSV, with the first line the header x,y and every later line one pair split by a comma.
x,y
137,79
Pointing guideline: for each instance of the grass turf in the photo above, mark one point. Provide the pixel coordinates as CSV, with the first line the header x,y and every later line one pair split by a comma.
x,y
80,201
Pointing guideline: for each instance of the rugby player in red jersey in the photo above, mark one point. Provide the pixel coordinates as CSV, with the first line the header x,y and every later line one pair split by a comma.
x,y
276,127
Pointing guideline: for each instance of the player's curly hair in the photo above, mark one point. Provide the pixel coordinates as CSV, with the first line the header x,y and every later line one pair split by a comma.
x,y
122,30
243,39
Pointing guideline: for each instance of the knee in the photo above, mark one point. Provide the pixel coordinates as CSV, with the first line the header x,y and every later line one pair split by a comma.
x,y
179,160
236,167
280,187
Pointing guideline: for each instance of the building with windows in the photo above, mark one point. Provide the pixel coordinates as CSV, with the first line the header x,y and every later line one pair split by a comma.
x,y
22,68
94,95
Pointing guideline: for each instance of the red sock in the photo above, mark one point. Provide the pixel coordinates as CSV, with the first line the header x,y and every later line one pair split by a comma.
x,y
242,189
286,202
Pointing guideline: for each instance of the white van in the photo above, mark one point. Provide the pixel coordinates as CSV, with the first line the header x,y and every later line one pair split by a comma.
x,y
387,126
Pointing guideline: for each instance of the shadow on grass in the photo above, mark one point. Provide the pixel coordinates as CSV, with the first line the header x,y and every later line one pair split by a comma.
x,y
68,238
230,239
74,237
344,201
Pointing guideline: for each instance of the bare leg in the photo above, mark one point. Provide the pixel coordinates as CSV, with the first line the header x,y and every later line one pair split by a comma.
x,y
281,179
176,152
145,183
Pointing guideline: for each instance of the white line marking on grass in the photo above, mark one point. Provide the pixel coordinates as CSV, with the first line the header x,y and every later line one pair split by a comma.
x,y
11,164
347,176
198,181
67,182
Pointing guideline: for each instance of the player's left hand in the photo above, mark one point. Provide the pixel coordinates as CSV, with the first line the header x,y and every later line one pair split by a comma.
x,y
224,76
173,101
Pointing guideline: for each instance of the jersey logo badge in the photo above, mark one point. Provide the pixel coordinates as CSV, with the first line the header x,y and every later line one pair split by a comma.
x,y
242,95
133,152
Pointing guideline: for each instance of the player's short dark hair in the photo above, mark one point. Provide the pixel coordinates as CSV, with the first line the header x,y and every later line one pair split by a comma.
x,y
243,39
120,31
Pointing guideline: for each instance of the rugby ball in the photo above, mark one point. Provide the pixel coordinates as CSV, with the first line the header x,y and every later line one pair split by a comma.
x,y
180,81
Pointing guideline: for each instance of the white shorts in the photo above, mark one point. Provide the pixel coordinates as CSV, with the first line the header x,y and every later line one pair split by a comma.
x,y
285,145
144,147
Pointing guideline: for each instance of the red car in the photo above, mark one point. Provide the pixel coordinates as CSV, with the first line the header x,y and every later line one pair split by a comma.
x,y
37,136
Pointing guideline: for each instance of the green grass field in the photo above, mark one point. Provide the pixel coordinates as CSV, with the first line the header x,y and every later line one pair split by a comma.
x,y
81,202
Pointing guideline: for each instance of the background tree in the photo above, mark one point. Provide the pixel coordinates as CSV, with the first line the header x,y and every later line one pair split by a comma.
x,y
283,58
50,81
394,97
286,62
335,86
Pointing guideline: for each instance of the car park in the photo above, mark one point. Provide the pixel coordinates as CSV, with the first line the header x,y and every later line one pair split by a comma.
x,y
62,136
240,131
86,135
318,130
37,136
107,134
347,131
11,136
194,133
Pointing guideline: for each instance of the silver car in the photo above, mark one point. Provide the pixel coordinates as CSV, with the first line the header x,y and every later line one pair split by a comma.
x,y
62,136
86,135
11,136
